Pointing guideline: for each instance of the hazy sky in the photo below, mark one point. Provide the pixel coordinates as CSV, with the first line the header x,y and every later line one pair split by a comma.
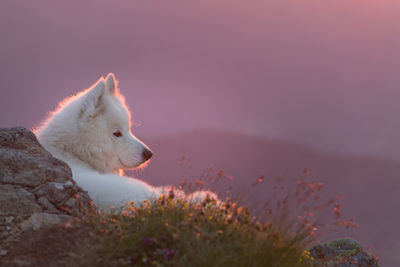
x,y
325,73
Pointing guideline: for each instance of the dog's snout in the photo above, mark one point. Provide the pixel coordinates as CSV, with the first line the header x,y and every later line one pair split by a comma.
x,y
147,153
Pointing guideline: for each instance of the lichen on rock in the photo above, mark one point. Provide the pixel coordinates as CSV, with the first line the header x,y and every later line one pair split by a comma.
x,y
344,252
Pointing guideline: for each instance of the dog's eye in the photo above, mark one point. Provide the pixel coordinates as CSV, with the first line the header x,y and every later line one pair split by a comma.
x,y
117,134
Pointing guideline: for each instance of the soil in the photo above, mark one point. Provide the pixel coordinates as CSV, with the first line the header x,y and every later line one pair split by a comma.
x,y
60,245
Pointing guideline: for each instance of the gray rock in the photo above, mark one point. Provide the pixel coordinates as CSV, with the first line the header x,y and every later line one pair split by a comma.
x,y
23,161
46,205
55,192
40,219
14,198
36,189
344,252
3,252
20,262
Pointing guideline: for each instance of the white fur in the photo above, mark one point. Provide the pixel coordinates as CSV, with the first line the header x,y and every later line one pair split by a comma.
x,y
81,133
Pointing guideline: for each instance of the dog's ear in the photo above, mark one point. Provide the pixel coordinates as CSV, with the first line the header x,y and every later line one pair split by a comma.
x,y
94,99
111,83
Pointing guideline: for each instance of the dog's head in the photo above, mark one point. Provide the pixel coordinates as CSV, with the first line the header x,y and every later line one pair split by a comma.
x,y
105,123
95,126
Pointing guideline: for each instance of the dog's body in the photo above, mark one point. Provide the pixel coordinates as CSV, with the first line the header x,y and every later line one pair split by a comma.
x,y
91,132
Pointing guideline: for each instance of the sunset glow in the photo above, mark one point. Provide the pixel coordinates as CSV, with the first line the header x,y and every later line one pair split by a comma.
x,y
256,89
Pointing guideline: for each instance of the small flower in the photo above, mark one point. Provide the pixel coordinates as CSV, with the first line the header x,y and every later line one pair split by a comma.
x,y
169,254
163,238
148,241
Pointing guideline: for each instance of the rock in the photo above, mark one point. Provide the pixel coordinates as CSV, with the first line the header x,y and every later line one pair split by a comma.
x,y
344,252
3,252
14,198
23,161
36,189
40,219
55,192
19,262
46,205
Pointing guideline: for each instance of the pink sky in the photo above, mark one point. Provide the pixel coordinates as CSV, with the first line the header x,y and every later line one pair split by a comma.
x,y
325,73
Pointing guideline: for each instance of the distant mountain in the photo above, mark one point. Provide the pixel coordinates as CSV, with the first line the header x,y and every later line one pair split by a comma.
x,y
370,186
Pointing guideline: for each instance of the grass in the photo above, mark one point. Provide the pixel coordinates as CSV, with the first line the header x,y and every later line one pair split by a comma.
x,y
170,231
173,232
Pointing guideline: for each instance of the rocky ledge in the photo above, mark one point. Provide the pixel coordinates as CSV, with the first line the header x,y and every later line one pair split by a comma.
x,y
36,189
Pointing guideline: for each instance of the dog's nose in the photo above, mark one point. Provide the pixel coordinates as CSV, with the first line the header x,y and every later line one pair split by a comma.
x,y
147,153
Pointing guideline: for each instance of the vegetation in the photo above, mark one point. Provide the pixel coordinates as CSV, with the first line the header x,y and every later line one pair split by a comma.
x,y
170,231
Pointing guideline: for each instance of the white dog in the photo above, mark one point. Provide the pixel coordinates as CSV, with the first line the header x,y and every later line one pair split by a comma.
x,y
91,133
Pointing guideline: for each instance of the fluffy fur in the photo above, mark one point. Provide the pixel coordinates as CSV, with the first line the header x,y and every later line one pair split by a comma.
x,y
91,132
